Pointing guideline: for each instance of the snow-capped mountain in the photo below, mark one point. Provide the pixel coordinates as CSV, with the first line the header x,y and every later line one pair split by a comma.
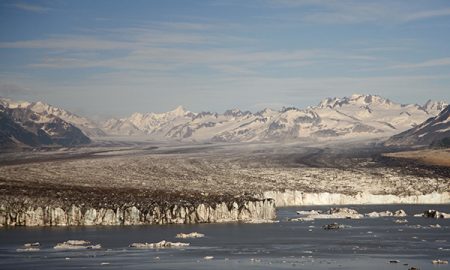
x,y
156,124
434,131
357,116
23,127
348,117
87,126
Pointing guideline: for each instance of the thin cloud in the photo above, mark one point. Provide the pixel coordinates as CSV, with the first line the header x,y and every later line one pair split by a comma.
x,y
67,43
186,26
353,12
427,14
234,61
426,64
234,69
31,7
127,38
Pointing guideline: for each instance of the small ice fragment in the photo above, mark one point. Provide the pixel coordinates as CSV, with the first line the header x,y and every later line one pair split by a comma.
x,y
190,235
439,262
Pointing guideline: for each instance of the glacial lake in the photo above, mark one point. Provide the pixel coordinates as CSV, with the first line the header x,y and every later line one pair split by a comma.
x,y
370,243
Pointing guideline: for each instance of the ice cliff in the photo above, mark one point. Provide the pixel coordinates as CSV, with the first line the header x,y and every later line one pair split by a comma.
x,y
232,211
295,197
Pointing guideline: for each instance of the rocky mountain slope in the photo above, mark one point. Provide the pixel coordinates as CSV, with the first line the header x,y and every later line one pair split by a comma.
x,y
434,131
23,127
348,117
88,127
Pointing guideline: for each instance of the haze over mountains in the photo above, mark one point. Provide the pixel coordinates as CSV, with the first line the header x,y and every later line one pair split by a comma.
x,y
357,116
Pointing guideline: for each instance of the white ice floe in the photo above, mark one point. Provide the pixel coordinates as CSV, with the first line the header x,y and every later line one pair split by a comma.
x,y
401,221
77,244
27,247
332,213
398,213
190,235
161,244
439,262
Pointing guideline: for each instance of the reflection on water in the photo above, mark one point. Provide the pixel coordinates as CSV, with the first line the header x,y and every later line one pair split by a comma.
x,y
369,243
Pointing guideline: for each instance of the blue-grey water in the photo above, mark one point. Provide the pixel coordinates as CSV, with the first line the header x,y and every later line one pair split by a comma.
x,y
369,243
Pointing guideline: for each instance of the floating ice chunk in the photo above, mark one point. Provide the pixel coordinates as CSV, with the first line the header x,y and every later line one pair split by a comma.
x,y
398,213
439,262
332,213
260,221
27,247
77,244
309,212
190,235
161,244
401,221
334,226
433,214
35,244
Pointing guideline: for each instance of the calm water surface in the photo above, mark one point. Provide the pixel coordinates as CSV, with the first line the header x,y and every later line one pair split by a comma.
x,y
369,243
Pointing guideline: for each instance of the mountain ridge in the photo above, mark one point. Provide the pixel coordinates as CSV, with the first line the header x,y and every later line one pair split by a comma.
x,y
435,131
23,127
88,127
359,114
356,116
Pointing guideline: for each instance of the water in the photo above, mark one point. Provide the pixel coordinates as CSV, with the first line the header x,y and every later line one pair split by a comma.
x,y
369,243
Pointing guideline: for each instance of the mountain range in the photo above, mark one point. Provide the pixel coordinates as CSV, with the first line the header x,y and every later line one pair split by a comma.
x,y
357,116
348,117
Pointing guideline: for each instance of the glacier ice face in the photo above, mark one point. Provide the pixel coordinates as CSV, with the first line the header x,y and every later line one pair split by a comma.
x,y
295,198
247,211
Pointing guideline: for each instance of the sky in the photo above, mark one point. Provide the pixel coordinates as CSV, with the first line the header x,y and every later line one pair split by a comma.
x,y
108,58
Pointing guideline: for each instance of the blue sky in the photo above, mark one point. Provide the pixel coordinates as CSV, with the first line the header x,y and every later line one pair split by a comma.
x,y
112,58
